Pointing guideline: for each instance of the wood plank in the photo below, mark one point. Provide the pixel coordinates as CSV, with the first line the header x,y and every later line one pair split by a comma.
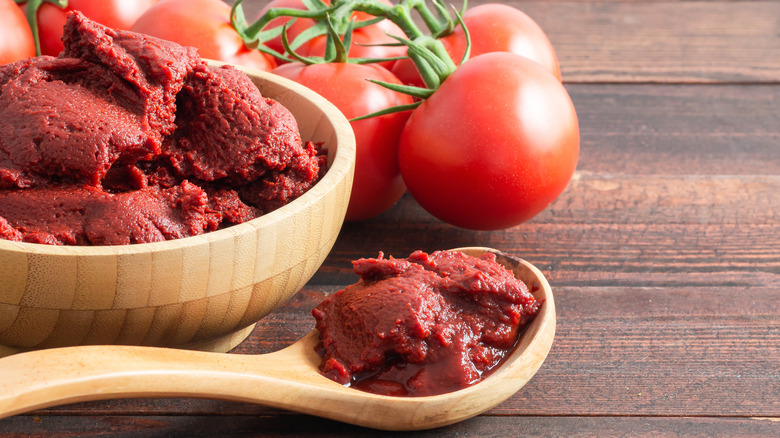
x,y
606,229
669,42
679,129
650,41
297,425
653,351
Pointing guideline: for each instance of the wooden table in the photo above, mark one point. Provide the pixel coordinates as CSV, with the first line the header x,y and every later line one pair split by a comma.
x,y
663,252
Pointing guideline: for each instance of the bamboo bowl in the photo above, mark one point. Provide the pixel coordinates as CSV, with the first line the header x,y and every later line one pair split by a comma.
x,y
204,292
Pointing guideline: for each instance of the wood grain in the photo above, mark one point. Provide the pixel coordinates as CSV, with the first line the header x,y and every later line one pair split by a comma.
x,y
618,351
662,42
285,425
663,252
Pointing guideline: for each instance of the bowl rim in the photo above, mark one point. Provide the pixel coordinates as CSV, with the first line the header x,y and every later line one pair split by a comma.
x,y
342,164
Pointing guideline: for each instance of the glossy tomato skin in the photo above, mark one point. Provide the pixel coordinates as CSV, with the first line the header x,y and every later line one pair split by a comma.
x,y
377,183
364,39
493,146
118,14
16,42
204,24
493,27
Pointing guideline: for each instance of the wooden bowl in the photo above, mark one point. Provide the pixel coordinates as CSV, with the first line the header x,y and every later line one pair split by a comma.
x,y
204,292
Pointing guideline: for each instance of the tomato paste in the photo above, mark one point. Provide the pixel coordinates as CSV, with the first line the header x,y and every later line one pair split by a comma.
x,y
125,138
424,325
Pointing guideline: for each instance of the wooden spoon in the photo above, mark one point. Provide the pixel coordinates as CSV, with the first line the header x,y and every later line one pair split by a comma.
x,y
286,379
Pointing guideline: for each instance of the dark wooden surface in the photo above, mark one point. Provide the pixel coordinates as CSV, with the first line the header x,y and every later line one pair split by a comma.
x,y
663,252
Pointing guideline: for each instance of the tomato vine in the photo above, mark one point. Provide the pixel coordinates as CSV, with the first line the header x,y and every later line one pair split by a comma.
x,y
491,140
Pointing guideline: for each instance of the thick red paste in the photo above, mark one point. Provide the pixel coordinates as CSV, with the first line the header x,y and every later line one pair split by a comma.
x,y
125,138
425,325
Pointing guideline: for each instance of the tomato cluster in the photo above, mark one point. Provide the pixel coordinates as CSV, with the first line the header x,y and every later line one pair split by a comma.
x,y
490,147
485,144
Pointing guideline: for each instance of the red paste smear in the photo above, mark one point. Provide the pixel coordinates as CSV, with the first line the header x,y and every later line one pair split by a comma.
x,y
425,325
124,138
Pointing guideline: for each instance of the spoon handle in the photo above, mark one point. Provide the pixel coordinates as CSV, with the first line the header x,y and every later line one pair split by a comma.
x,y
45,378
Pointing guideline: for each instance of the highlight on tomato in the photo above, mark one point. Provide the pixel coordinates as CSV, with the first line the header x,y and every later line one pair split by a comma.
x,y
492,27
204,24
16,41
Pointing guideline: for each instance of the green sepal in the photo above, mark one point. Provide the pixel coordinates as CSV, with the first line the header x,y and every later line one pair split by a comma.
x,y
411,90
391,110
321,28
432,68
294,55
315,4
374,60
254,32
466,34
271,52
336,49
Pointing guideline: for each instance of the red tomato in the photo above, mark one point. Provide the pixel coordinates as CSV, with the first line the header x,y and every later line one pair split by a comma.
x,y
493,146
493,27
362,38
204,24
16,41
377,184
118,14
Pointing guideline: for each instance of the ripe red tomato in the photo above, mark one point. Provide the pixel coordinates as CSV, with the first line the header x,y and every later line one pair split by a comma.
x,y
493,27
493,146
16,41
118,14
362,38
204,24
377,183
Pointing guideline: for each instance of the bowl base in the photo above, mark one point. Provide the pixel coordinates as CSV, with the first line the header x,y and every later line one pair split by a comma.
x,y
7,351
219,345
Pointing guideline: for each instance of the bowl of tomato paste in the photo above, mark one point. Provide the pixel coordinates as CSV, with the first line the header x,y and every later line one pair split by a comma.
x,y
150,197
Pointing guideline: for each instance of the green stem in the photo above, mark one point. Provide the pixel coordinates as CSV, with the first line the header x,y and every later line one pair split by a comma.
x,y
400,13
425,49
433,71
466,34
337,50
429,18
31,12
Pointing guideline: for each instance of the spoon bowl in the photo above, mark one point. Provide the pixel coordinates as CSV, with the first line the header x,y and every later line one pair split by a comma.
x,y
287,379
